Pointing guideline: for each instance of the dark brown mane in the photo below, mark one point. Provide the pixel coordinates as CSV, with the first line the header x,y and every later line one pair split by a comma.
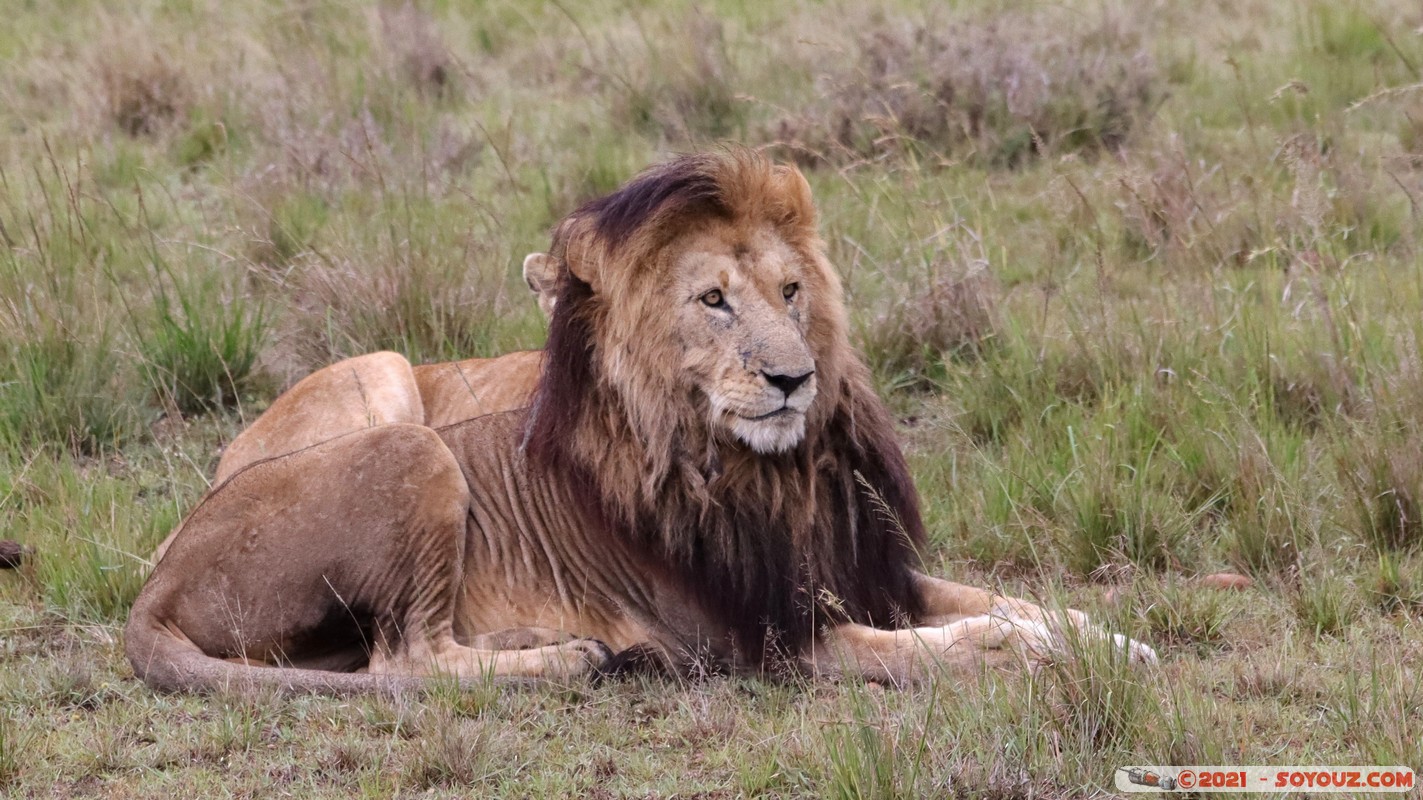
x,y
678,187
568,372
773,546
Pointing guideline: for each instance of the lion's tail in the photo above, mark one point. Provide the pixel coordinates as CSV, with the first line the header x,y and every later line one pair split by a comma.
x,y
166,660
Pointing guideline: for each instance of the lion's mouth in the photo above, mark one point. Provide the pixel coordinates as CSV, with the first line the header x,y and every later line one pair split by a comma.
x,y
783,410
775,431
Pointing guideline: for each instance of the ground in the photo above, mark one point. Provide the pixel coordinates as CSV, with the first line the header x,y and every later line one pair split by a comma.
x,y
1140,280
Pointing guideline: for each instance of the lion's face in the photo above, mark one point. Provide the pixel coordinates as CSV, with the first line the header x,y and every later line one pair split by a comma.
x,y
740,306
705,297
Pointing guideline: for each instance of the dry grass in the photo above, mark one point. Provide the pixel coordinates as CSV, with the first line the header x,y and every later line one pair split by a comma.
x,y
1386,484
943,308
679,83
144,93
413,41
998,89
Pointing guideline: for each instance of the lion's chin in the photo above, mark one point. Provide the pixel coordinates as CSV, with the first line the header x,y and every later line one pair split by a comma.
x,y
771,435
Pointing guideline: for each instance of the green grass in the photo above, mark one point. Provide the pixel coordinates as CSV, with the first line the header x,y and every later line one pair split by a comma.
x,y
199,350
1155,313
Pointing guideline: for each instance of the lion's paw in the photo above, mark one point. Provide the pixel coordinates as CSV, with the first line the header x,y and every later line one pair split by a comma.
x,y
1035,641
1137,652
573,659
1053,635
594,653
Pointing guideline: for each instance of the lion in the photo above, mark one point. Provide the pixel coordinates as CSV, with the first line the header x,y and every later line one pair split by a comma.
x,y
704,478
379,389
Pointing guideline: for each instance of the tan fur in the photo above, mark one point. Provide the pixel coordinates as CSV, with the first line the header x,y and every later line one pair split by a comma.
x,y
359,392
350,534
378,389
461,390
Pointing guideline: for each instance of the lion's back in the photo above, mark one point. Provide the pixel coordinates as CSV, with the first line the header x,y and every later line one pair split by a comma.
x,y
456,391
355,393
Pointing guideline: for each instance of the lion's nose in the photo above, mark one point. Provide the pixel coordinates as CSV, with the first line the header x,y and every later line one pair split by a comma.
x,y
787,383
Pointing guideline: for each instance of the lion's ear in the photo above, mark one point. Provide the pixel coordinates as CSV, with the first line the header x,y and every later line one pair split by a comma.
x,y
796,206
578,249
544,275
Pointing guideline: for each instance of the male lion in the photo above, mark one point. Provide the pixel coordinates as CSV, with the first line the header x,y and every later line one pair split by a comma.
x,y
704,478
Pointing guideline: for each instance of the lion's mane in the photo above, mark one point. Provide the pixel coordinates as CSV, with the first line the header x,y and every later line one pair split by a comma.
x,y
775,546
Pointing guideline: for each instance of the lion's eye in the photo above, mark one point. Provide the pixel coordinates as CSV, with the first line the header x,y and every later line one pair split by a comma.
x,y
714,299
788,291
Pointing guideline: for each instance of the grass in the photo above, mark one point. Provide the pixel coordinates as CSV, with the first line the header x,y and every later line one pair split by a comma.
x,y
1142,286
198,350
996,89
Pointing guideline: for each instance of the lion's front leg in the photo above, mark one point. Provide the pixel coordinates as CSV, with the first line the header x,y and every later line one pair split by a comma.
x,y
946,602
445,656
523,638
527,652
908,655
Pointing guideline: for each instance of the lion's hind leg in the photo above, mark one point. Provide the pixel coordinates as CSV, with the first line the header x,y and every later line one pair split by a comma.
x,y
345,397
353,547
